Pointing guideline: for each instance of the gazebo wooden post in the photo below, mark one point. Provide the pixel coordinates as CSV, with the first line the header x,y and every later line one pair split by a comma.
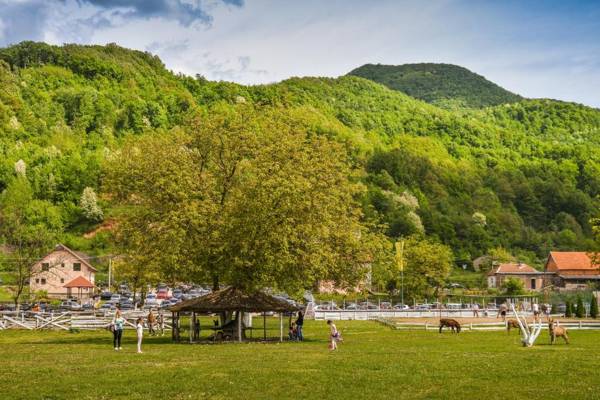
x,y
281,327
191,328
173,326
265,325
239,326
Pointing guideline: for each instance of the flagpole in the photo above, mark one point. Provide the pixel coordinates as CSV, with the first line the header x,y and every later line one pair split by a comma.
x,y
400,263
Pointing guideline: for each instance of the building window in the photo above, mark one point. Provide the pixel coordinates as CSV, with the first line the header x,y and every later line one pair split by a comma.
x,y
37,280
45,267
43,281
62,280
76,266
533,283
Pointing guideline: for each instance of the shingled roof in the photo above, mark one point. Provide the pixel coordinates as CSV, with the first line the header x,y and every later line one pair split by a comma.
x,y
514,268
233,299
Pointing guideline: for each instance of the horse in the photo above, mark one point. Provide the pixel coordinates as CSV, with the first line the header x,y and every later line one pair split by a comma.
x,y
450,323
512,323
557,331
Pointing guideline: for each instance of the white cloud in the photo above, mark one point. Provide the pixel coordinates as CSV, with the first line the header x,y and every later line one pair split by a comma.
x,y
536,54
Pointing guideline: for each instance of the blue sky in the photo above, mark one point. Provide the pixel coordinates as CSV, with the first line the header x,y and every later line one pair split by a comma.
x,y
534,48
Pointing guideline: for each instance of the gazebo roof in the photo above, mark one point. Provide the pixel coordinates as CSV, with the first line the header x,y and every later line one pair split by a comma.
x,y
233,299
79,282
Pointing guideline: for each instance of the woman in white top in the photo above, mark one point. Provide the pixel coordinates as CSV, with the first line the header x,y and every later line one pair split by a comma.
x,y
139,327
333,335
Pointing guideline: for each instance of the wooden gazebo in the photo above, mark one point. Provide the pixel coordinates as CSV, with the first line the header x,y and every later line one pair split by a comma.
x,y
230,300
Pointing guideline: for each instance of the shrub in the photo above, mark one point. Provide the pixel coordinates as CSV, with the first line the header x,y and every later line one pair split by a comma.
x,y
568,309
594,307
580,310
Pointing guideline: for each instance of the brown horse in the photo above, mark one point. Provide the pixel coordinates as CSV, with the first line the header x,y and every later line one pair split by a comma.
x,y
557,331
512,323
450,323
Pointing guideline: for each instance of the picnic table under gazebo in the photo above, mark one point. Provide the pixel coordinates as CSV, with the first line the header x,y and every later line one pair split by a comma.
x,y
230,300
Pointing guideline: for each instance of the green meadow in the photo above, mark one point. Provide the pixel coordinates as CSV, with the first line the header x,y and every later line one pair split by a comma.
x,y
373,362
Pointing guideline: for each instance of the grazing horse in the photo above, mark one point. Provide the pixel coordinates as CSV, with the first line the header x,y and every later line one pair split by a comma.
x,y
512,323
450,323
557,331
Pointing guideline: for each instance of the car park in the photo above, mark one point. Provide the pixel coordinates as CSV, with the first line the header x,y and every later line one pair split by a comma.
x,y
401,306
177,293
351,306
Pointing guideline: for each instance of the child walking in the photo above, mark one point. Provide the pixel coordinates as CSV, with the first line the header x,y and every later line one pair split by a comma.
x,y
139,327
334,335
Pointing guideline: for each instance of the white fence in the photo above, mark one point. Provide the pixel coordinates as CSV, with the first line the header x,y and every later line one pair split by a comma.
x,y
480,326
70,320
383,313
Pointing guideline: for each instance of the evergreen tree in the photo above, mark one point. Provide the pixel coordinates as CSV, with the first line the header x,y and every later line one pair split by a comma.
x,y
568,309
580,310
594,307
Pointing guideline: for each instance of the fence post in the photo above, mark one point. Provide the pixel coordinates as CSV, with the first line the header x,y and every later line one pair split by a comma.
x,y
579,324
426,325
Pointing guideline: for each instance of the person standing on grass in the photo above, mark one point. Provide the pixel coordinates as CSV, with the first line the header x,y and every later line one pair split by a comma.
x,y
139,328
333,335
299,324
118,322
535,307
151,323
502,312
476,310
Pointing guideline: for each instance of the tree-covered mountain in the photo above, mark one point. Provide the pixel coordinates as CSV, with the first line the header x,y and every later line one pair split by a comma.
x,y
441,84
523,176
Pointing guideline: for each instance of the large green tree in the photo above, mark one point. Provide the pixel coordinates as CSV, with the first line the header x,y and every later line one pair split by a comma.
x,y
428,265
242,198
28,229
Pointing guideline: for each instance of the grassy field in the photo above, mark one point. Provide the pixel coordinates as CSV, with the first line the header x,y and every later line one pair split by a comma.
x,y
374,362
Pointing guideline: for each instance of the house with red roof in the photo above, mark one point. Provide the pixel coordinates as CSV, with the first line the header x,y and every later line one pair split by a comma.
x,y
531,277
63,273
573,270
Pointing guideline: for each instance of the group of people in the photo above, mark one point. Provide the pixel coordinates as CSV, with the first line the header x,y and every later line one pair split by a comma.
x,y
118,323
295,329
536,309
153,322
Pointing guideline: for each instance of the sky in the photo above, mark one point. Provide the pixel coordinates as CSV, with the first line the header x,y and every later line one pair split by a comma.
x,y
537,48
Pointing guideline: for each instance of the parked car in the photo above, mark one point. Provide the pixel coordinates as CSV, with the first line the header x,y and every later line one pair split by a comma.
x,y
351,306
105,295
401,306
162,293
151,299
385,305
126,305
177,293
115,298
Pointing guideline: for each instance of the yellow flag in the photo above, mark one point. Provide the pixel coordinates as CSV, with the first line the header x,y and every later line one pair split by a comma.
x,y
400,255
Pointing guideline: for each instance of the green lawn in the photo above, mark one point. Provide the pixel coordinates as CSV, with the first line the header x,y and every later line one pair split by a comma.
x,y
374,362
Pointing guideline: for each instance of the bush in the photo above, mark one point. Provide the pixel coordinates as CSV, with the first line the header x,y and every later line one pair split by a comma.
x,y
594,307
513,286
568,309
580,310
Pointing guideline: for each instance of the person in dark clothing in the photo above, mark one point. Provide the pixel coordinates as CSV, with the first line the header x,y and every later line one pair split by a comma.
x,y
299,324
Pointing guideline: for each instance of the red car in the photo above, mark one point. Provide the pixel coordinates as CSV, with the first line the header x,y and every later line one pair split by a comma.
x,y
162,294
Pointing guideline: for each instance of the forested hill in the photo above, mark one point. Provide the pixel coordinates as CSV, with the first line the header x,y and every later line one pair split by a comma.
x,y
442,84
523,176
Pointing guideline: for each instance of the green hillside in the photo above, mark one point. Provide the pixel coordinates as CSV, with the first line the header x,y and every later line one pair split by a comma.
x,y
442,84
523,176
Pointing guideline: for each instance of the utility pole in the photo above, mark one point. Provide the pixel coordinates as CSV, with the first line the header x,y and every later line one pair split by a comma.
x,y
400,262
109,272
